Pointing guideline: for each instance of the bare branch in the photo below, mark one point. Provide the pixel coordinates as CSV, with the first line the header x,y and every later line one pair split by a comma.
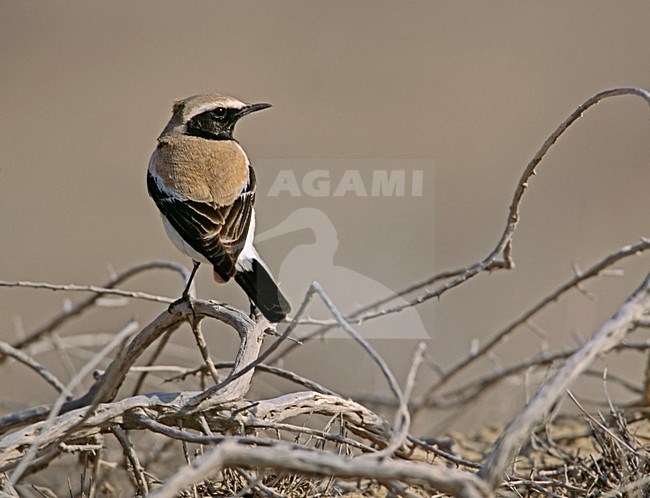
x,y
33,364
129,451
285,457
383,366
261,367
78,308
152,359
593,271
203,348
402,422
87,288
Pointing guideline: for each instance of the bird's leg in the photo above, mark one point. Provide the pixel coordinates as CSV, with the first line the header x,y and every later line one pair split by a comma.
x,y
255,312
185,297
186,292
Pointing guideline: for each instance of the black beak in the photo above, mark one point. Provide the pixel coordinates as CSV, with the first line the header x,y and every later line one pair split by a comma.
x,y
252,108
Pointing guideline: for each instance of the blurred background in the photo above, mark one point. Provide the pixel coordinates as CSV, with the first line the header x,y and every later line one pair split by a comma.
x,y
465,92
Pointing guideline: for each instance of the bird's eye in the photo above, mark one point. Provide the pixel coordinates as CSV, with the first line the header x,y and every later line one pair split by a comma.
x,y
219,112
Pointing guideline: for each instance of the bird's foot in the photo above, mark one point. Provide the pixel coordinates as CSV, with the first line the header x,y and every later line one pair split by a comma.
x,y
184,299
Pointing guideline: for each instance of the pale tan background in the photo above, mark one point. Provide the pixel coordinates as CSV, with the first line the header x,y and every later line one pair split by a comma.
x,y
473,88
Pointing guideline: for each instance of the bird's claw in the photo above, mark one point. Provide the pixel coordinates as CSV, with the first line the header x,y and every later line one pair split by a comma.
x,y
184,299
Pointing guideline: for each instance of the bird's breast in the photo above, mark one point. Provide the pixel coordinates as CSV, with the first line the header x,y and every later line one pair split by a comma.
x,y
213,171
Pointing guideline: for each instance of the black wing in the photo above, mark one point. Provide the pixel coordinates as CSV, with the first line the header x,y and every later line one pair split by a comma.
x,y
216,232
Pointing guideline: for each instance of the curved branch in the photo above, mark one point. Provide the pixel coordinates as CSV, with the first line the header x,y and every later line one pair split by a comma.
x,y
282,456
89,410
25,359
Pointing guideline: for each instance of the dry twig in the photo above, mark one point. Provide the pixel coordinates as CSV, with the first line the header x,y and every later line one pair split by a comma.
x,y
605,338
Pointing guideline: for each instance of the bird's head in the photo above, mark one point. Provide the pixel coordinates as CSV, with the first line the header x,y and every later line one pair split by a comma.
x,y
209,116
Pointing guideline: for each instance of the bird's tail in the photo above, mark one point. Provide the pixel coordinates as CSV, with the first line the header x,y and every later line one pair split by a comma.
x,y
263,291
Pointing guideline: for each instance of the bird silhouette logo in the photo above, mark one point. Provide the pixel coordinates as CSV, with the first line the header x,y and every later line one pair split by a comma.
x,y
348,288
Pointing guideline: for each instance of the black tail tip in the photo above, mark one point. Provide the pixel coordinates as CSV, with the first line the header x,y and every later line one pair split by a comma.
x,y
263,291
274,312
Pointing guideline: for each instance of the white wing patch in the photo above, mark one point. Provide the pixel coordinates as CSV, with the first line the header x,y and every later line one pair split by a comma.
x,y
249,253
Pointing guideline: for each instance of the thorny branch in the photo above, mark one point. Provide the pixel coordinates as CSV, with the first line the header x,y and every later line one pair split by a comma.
x,y
523,319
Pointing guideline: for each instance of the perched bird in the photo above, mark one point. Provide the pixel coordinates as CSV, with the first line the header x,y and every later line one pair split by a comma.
x,y
204,186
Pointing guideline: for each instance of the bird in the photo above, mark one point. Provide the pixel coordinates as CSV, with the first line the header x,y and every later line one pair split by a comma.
x,y
202,182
